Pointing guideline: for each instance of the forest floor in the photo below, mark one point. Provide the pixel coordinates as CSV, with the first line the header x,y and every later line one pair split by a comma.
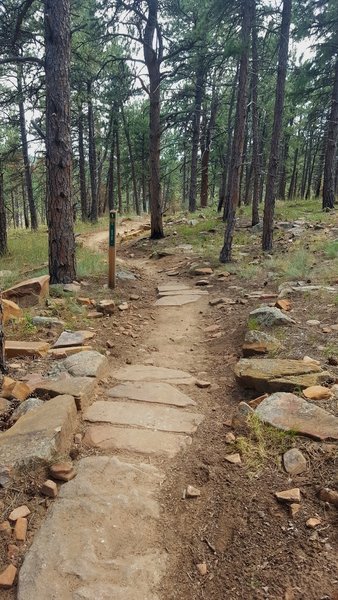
x,y
251,546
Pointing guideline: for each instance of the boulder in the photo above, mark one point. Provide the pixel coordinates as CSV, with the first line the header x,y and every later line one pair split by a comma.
x,y
317,392
259,342
29,292
25,407
87,364
11,310
270,316
278,374
291,413
40,435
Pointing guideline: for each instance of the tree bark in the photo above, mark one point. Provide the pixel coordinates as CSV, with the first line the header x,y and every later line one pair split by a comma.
x,y
24,201
58,142
226,161
94,211
118,169
3,218
25,154
199,89
82,168
292,187
132,161
2,342
331,146
206,150
111,175
255,124
239,131
153,55
270,196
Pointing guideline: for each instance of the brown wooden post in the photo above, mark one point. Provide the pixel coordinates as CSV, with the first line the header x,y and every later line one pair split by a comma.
x,y
112,249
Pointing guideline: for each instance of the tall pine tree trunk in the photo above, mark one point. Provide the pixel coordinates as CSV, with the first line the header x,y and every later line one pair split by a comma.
x,y
118,169
255,124
206,153
270,195
94,211
331,146
82,167
226,161
25,154
199,85
132,161
58,142
153,55
239,132
3,218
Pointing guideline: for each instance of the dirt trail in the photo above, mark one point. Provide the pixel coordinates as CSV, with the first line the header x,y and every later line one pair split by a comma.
x,y
99,240
131,534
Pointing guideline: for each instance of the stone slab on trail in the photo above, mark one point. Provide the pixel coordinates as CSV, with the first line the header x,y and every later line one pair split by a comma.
x,y
278,374
178,300
152,373
14,349
87,364
81,388
146,391
138,441
192,292
270,316
158,418
40,435
172,287
99,539
291,413
69,338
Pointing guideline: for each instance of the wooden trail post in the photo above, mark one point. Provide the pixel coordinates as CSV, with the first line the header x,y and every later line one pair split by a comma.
x,y
112,249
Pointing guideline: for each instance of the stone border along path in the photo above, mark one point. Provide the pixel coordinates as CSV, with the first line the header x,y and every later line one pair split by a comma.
x,y
102,536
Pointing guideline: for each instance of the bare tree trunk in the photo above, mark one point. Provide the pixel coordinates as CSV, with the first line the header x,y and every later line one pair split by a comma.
x,y
331,146
2,342
132,161
270,196
206,154
153,55
144,171
82,168
239,132
255,124
25,155
110,176
58,142
292,187
24,201
118,169
3,219
94,211
199,90
226,162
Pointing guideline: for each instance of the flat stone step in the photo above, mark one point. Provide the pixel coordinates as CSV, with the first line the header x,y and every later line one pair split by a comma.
x,y
190,292
178,300
38,436
139,441
162,418
146,391
99,539
152,373
82,388
14,349
172,286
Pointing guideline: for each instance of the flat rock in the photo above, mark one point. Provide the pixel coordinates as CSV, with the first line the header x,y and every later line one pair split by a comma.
x,y
172,287
202,271
46,321
113,506
152,373
276,374
64,352
87,364
270,316
138,441
159,393
69,338
260,342
178,300
292,495
162,418
40,435
294,461
29,292
81,388
73,288
191,292
291,413
11,311
125,275
14,349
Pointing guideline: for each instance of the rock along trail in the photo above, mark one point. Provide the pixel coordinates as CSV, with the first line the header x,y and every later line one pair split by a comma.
x,y
102,537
